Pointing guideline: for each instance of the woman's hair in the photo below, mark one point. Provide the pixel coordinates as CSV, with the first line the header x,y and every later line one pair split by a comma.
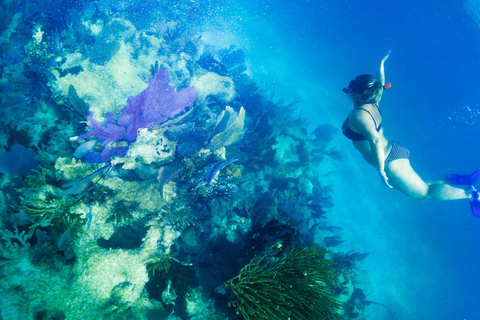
x,y
365,89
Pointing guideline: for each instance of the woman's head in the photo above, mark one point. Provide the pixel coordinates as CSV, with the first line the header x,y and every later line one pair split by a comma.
x,y
365,89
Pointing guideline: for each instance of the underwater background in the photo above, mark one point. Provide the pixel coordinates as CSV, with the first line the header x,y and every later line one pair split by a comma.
x,y
170,159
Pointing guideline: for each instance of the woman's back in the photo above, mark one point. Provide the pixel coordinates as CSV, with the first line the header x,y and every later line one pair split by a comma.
x,y
363,118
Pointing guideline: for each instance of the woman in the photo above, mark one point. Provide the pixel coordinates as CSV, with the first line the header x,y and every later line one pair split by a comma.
x,y
364,127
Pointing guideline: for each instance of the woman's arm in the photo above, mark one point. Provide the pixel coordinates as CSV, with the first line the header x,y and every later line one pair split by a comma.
x,y
381,68
379,155
364,125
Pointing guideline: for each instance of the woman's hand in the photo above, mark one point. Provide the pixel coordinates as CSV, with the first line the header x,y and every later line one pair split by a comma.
x,y
384,178
385,58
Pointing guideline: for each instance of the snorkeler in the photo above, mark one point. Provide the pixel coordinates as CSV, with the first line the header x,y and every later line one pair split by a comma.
x,y
364,127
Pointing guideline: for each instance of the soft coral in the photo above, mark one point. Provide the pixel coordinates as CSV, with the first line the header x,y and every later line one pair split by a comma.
x,y
150,108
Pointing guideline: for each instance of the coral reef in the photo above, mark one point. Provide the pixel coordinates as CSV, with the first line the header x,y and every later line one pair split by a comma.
x,y
204,177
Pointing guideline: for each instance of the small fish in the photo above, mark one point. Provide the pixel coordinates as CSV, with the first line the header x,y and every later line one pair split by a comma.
x,y
78,186
190,235
84,148
333,228
65,245
167,174
89,218
214,170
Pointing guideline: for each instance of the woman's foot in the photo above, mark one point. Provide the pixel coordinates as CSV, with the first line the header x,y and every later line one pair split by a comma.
x,y
475,201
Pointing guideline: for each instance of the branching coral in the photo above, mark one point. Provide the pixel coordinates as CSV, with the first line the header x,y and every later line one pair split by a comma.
x,y
122,211
173,270
161,264
11,242
194,165
292,286
46,207
38,177
345,262
282,116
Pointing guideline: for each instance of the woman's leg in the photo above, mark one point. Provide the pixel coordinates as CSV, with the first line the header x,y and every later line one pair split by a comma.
x,y
402,177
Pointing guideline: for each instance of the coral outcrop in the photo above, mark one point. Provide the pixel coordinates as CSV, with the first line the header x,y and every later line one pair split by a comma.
x,y
161,171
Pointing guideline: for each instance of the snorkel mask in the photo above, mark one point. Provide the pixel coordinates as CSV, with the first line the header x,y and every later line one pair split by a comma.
x,y
349,89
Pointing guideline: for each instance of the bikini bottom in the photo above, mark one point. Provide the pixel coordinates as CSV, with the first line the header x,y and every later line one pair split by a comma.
x,y
398,151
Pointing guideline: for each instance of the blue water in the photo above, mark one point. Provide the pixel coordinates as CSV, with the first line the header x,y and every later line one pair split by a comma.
x,y
432,108
424,256
313,49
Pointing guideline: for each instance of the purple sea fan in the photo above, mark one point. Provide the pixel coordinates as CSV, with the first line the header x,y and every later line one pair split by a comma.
x,y
150,108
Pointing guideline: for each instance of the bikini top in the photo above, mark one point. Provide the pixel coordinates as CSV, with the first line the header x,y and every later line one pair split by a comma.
x,y
355,136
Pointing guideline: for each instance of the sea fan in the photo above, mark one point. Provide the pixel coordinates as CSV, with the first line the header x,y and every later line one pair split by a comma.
x,y
293,286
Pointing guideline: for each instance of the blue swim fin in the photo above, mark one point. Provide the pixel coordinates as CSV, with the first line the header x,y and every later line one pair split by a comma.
x,y
475,202
462,179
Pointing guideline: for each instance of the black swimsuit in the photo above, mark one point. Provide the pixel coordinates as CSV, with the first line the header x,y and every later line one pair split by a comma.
x,y
397,151
355,136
